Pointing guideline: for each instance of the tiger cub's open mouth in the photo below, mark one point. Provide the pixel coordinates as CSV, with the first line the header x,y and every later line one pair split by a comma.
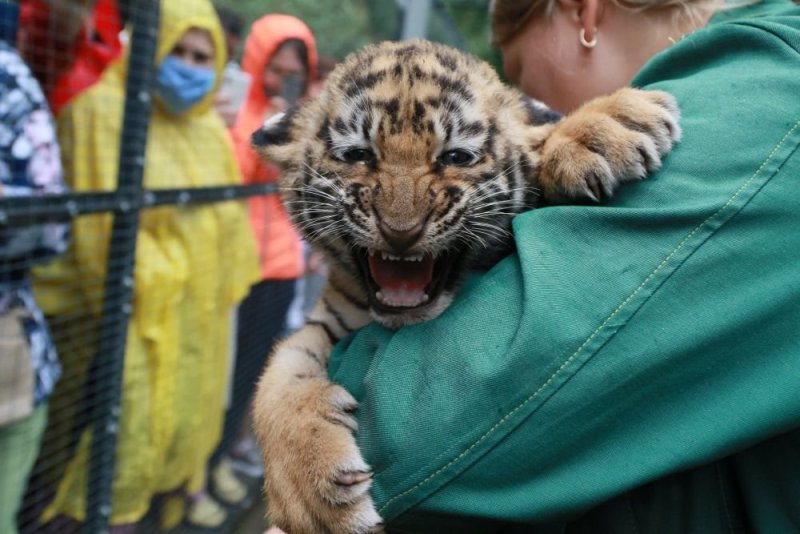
x,y
401,283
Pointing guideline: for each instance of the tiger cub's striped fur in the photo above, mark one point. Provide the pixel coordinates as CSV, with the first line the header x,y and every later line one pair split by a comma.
x,y
406,172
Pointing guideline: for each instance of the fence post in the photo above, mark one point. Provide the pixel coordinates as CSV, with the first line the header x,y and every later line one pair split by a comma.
x,y
106,393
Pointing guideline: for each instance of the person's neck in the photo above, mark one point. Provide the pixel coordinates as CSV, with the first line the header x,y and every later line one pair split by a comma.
x,y
640,36
667,28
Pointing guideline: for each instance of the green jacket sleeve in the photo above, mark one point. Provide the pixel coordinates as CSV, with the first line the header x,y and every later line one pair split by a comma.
x,y
623,342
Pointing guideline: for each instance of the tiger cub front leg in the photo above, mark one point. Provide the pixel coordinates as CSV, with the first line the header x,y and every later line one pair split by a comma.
x,y
608,140
315,477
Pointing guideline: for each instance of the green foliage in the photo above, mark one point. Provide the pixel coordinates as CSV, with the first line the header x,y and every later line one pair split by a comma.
x,y
339,27
471,19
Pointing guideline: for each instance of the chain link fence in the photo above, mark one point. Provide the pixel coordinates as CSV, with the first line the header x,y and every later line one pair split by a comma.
x,y
132,280
139,304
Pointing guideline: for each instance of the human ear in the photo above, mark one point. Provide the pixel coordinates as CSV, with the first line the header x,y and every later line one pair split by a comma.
x,y
587,14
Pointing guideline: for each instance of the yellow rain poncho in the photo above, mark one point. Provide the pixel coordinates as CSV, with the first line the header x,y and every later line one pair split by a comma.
x,y
193,265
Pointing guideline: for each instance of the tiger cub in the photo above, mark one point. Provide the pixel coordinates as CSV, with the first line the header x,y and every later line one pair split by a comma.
x,y
406,171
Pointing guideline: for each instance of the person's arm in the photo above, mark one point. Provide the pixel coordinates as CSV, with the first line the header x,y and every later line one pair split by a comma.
x,y
31,163
622,342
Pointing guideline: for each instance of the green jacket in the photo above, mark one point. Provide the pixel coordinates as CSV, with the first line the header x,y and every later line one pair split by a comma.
x,y
635,367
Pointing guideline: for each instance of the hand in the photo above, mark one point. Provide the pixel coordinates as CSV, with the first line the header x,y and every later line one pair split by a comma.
x,y
222,103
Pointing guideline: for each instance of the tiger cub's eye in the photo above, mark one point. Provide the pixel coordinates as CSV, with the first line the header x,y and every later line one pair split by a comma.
x,y
358,155
459,158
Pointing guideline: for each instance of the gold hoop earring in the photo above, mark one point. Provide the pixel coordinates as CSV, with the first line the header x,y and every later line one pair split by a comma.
x,y
584,42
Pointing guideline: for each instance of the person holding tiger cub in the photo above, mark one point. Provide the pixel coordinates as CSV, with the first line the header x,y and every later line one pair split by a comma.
x,y
631,366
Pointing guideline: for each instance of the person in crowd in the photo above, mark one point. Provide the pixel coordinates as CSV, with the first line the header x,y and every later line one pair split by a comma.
x,y
309,287
326,66
233,26
69,43
29,366
193,266
278,48
639,371
235,82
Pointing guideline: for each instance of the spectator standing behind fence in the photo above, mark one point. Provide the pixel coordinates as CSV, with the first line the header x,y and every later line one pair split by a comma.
x,y
235,82
193,265
233,27
29,367
69,43
278,47
326,66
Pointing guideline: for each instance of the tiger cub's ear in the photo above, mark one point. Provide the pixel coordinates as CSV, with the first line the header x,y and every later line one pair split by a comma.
x,y
274,141
538,112
537,121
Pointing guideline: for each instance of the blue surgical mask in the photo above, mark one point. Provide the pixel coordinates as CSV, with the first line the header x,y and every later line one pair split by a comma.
x,y
180,86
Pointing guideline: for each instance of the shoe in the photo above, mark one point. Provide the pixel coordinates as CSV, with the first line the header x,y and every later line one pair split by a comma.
x,y
227,486
205,512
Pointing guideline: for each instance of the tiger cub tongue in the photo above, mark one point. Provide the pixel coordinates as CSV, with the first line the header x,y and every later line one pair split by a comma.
x,y
401,282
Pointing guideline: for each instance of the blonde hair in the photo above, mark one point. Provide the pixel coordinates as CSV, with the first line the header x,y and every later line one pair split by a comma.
x,y
507,17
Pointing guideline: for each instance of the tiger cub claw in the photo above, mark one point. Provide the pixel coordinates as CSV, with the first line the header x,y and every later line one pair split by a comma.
x,y
609,140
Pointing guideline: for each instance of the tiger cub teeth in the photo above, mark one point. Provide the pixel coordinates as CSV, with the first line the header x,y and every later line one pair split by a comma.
x,y
406,299
392,257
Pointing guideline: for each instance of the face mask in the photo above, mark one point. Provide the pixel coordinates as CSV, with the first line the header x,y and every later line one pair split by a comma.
x,y
180,86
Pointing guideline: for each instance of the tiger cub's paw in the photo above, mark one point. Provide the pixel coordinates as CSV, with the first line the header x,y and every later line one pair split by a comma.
x,y
315,477
608,140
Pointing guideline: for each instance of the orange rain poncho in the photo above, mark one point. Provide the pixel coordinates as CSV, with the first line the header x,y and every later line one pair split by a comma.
x,y
278,242
193,265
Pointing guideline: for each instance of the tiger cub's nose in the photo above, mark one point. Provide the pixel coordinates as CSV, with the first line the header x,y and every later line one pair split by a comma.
x,y
403,238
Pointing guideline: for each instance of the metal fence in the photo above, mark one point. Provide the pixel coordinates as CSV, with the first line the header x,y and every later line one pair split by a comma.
x,y
90,391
